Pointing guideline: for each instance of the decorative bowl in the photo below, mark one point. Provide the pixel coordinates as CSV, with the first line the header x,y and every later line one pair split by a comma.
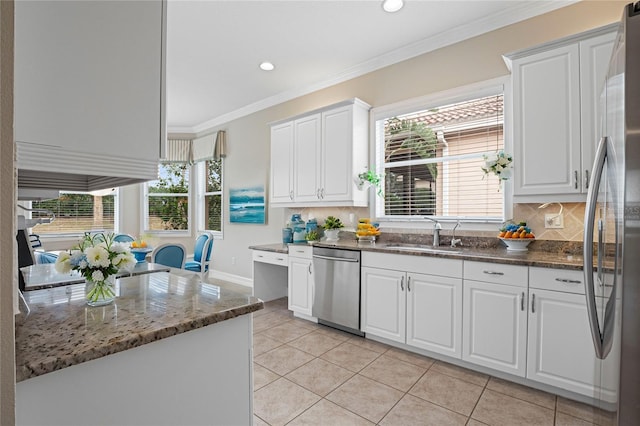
x,y
516,244
141,253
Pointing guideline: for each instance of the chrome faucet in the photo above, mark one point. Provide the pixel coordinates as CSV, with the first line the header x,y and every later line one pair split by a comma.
x,y
436,231
454,240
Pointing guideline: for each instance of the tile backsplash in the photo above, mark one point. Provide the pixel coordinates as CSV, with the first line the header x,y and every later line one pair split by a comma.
x,y
573,214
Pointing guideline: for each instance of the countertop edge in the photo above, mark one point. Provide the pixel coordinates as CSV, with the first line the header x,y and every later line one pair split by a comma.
x,y
133,340
528,258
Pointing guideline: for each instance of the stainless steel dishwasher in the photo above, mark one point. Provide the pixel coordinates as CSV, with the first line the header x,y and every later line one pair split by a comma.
x,y
336,300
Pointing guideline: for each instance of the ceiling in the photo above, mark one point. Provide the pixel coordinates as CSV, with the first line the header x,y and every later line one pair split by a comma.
x,y
214,47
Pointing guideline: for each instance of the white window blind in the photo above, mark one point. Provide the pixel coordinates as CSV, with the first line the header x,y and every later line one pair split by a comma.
x,y
76,213
432,158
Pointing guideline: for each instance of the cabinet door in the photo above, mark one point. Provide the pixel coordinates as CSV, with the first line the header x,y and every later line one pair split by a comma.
x,y
300,285
306,155
434,314
383,303
560,347
89,79
595,54
337,152
495,326
546,106
282,163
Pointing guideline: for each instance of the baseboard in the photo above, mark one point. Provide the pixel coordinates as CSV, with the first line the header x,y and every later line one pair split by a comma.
x,y
235,279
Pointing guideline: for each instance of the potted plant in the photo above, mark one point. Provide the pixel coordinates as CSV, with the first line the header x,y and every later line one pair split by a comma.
x,y
312,236
369,178
332,227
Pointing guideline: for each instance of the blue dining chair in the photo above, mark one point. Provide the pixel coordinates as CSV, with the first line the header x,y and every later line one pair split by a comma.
x,y
123,238
170,254
201,254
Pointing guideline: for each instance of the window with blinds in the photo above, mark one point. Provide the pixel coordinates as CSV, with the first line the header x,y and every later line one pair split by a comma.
x,y
76,213
167,204
213,195
432,161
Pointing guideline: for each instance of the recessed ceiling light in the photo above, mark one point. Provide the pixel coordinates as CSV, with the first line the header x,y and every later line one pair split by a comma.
x,y
267,66
392,5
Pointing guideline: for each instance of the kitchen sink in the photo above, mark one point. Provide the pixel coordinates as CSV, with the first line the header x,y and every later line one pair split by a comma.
x,y
424,249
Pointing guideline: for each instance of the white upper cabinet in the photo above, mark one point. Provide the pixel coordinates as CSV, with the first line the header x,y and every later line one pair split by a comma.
x,y
328,147
281,161
555,114
89,87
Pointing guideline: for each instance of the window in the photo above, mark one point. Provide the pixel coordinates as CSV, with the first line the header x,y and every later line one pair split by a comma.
x,y
431,157
76,213
167,199
213,195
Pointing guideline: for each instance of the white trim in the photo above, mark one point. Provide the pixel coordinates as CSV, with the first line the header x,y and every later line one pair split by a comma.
x,y
232,278
455,35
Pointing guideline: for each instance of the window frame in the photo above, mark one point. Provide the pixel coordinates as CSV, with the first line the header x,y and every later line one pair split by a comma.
x,y
446,97
200,169
145,208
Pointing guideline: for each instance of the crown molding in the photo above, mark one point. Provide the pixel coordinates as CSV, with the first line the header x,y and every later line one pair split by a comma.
x,y
513,15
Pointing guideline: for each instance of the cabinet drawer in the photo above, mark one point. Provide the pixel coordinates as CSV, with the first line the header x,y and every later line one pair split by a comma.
x,y
419,264
496,273
556,280
306,251
270,257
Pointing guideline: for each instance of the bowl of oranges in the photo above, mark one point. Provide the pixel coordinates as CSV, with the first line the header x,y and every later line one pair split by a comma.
x,y
139,248
367,231
516,236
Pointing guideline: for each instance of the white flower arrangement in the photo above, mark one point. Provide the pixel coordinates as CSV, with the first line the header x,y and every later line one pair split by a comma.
x,y
499,164
97,257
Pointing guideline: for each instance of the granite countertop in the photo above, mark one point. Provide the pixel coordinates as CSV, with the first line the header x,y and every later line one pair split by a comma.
x,y
62,330
552,256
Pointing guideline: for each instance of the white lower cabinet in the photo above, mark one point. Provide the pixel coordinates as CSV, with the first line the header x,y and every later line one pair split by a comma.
x,y
421,310
495,316
495,326
383,303
561,350
300,280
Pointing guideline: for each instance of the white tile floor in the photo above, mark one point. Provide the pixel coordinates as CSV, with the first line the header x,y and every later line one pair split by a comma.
x,y
308,374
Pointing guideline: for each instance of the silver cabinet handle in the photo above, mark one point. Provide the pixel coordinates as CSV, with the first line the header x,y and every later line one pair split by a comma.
x,y
309,269
566,280
493,273
586,179
260,255
575,179
318,193
402,283
522,302
291,194
602,344
322,193
409,284
533,303
279,258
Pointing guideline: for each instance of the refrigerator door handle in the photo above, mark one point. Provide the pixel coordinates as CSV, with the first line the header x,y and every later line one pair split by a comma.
x,y
589,222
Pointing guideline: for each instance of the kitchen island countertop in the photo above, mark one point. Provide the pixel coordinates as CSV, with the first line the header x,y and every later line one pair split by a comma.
x,y
61,330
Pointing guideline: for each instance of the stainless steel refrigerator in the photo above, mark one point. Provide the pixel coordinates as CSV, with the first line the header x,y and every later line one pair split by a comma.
x,y
612,230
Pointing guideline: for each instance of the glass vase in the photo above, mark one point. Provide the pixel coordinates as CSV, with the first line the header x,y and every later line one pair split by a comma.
x,y
100,293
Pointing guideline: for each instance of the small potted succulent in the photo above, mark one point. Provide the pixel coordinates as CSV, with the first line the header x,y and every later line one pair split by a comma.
x,y
312,236
332,226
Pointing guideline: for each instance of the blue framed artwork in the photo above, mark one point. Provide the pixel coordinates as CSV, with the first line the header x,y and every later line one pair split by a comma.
x,y
247,205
